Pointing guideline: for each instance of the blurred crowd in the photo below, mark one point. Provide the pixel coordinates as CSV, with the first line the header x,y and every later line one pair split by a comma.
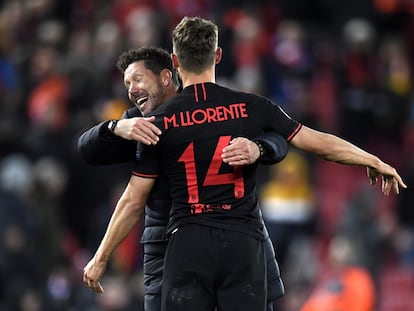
x,y
342,67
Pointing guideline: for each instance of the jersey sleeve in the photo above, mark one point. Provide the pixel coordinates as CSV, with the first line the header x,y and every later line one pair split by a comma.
x,y
281,122
146,161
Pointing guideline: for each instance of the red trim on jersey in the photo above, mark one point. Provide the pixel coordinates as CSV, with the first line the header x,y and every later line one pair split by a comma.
x,y
204,91
195,93
294,132
144,175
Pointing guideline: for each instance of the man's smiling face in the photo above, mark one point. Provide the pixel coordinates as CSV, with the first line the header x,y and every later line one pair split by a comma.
x,y
144,87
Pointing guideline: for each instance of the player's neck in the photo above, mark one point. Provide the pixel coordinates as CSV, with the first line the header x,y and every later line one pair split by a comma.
x,y
190,78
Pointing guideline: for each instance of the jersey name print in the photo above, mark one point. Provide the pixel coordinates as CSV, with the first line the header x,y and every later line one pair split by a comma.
x,y
207,115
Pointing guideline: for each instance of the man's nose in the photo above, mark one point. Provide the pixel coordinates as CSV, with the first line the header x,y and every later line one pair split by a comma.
x,y
133,89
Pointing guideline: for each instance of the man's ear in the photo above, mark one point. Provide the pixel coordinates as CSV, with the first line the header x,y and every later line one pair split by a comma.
x,y
219,53
166,77
175,61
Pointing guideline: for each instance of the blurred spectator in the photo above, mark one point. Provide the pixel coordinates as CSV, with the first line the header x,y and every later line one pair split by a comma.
x,y
396,88
82,78
177,9
117,296
288,205
346,286
359,80
144,28
288,70
106,46
47,108
360,222
49,183
9,77
247,50
324,83
341,67
18,271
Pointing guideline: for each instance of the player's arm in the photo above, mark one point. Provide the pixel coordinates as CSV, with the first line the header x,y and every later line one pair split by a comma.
x,y
269,148
128,211
333,148
106,144
273,147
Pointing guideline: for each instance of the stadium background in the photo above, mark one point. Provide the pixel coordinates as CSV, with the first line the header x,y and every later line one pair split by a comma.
x,y
342,67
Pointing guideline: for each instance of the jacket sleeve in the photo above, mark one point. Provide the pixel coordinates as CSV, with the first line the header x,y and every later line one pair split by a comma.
x,y
98,146
275,147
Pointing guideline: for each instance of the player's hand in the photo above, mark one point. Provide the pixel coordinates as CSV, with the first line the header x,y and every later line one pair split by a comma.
x,y
391,180
240,151
139,129
92,273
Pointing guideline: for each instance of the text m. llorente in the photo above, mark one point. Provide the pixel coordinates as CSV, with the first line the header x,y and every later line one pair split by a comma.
x,y
206,115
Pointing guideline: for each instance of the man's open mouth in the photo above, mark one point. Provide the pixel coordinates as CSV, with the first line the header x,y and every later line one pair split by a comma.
x,y
141,101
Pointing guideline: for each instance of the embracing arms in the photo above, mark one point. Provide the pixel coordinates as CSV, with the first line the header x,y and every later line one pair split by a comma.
x,y
100,146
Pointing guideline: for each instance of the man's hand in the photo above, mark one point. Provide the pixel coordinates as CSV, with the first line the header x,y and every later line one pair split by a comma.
x,y
390,178
139,129
240,151
92,273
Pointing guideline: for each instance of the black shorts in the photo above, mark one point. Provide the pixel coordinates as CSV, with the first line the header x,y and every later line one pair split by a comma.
x,y
206,266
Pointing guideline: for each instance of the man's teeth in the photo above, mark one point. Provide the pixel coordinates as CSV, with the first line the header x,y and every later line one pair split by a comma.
x,y
141,101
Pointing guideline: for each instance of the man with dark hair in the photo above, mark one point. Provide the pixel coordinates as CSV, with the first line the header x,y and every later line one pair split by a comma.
x,y
215,255
150,80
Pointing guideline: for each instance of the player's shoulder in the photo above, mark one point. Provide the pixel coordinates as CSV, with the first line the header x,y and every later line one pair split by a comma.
x,y
243,95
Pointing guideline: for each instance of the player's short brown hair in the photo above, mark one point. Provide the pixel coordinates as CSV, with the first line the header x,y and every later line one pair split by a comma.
x,y
195,42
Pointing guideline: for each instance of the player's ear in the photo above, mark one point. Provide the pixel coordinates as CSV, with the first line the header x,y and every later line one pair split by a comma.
x,y
174,60
166,77
219,53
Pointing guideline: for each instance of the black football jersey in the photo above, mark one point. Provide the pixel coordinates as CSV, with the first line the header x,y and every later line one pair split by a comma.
x,y
197,124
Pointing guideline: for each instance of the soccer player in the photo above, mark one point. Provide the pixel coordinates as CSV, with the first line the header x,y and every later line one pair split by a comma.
x,y
148,74
215,253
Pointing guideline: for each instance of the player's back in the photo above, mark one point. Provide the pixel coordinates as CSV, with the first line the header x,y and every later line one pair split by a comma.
x,y
197,124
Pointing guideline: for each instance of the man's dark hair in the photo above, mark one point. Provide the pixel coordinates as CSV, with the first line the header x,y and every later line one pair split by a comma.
x,y
155,59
